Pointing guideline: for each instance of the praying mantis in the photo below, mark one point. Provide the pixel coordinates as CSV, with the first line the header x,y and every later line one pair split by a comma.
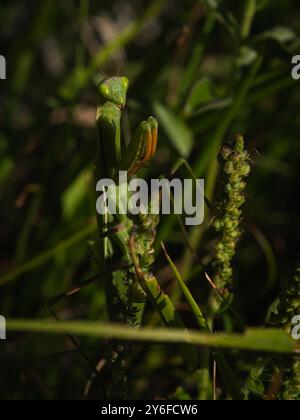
x,y
124,237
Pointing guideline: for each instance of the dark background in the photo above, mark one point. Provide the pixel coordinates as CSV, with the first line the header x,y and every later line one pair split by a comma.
x,y
189,58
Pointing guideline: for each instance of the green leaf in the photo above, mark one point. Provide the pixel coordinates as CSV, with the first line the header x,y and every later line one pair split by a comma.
x,y
75,195
178,132
255,382
261,4
181,395
200,94
214,4
268,340
247,56
281,34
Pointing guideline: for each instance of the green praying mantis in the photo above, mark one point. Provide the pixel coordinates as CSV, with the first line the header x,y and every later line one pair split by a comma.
x,y
125,237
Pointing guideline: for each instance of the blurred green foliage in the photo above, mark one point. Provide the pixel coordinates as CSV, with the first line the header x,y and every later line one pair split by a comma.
x,y
207,69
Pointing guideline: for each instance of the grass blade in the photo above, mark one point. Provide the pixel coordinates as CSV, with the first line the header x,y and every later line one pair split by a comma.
x,y
200,318
267,340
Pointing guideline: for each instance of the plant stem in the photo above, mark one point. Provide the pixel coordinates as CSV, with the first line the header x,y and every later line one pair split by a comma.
x,y
249,13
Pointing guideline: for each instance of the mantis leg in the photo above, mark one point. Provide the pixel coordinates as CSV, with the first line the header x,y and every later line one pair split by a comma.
x,y
141,148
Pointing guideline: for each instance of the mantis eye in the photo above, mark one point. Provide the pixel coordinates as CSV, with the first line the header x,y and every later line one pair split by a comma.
x,y
125,82
104,90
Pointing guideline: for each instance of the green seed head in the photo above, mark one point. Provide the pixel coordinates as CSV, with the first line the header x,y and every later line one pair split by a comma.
x,y
245,169
236,157
235,177
240,200
218,224
220,246
230,223
234,161
229,168
228,188
239,143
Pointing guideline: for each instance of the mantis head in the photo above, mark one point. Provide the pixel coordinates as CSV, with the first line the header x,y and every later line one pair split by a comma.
x,y
114,90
